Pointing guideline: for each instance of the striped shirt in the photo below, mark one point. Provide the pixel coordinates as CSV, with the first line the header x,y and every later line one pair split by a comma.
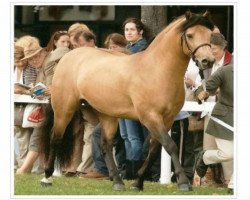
x,y
29,75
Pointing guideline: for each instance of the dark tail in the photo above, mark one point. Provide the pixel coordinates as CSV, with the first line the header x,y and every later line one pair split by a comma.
x,y
46,131
63,148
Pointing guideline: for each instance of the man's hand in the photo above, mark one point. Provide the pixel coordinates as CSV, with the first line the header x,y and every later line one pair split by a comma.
x,y
203,95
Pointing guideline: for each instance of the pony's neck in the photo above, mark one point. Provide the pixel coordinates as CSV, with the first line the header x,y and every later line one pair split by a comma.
x,y
167,45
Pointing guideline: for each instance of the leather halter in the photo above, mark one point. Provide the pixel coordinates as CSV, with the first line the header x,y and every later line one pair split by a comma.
x,y
191,53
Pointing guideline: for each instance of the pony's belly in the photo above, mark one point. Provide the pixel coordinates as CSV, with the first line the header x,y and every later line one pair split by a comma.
x,y
112,105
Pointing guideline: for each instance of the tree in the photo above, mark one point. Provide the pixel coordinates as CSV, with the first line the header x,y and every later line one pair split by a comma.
x,y
155,19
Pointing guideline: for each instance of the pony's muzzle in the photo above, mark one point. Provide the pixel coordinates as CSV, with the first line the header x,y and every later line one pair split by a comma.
x,y
204,63
207,63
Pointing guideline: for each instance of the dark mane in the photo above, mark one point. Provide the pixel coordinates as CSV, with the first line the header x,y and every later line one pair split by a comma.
x,y
197,19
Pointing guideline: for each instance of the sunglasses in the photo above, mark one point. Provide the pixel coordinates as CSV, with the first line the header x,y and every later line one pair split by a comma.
x,y
60,32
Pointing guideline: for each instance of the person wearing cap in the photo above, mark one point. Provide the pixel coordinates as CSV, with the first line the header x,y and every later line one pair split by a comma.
x,y
222,58
221,54
220,125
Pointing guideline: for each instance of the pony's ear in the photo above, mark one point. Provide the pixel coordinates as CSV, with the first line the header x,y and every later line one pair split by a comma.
x,y
206,14
188,15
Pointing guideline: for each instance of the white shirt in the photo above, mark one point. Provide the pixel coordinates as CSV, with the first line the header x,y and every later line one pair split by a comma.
x,y
216,66
192,73
21,76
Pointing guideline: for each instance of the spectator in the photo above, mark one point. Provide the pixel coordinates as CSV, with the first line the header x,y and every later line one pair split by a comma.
x,y
73,29
82,161
84,39
27,138
132,131
196,124
184,142
45,63
222,57
57,47
115,42
133,32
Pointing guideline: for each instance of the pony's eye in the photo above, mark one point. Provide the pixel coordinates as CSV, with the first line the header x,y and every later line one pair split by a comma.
x,y
189,36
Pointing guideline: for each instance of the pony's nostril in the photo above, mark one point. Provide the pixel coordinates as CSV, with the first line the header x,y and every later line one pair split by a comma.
x,y
205,62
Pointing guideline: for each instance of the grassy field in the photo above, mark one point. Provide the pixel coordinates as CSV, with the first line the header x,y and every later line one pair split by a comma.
x,y
30,185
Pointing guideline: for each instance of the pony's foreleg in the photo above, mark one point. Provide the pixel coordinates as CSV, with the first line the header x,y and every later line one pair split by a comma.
x,y
108,129
154,150
155,123
170,146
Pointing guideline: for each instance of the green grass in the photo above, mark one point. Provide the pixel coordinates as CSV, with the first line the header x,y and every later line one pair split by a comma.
x,y
30,185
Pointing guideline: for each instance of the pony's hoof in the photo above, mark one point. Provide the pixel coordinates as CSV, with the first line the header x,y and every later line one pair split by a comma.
x,y
119,187
45,182
185,187
136,188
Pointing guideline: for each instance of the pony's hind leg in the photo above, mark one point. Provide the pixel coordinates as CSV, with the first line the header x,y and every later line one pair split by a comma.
x,y
154,150
57,146
108,129
49,154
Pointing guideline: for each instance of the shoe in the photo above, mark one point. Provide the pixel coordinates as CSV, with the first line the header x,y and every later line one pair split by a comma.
x,y
200,166
95,174
79,174
218,173
70,174
230,191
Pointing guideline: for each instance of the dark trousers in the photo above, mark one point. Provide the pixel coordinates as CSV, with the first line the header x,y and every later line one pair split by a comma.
x,y
98,157
187,150
198,142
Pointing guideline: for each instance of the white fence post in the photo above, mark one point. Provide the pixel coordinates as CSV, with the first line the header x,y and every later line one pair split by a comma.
x,y
165,166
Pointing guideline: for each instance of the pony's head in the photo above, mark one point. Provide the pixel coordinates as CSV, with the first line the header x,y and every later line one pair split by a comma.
x,y
195,40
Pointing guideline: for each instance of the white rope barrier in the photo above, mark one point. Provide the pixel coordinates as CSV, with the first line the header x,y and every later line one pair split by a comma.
x,y
23,98
190,106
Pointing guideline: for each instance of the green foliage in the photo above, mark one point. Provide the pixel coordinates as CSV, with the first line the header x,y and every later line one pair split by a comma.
x,y
30,185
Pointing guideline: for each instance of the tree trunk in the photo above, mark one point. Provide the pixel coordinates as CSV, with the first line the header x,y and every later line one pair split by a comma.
x,y
155,19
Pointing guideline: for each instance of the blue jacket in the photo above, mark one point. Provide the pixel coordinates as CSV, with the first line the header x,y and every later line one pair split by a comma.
x,y
138,46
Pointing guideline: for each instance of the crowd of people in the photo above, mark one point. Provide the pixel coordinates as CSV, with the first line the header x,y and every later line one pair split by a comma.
x,y
200,147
